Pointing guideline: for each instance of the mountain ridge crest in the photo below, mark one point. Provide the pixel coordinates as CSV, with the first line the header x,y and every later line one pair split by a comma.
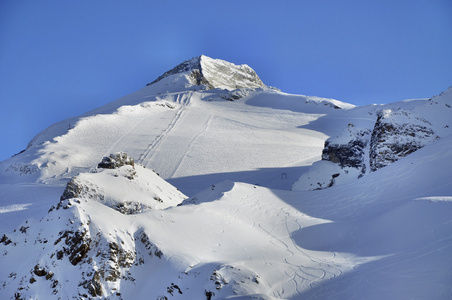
x,y
215,73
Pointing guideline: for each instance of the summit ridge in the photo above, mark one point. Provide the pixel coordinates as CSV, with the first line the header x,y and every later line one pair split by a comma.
x,y
215,73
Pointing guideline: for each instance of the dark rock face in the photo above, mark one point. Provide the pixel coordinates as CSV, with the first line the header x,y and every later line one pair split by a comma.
x,y
348,155
129,207
199,79
116,160
39,271
5,240
76,245
151,249
100,259
73,190
235,94
395,135
94,286
188,65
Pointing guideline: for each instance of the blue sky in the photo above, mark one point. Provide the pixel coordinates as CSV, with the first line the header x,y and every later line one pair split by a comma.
x,y
62,58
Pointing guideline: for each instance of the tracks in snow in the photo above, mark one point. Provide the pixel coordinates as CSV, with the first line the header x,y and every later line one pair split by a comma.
x,y
303,268
177,138
182,99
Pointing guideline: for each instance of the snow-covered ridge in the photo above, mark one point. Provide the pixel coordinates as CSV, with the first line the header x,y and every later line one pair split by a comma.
x,y
215,73
145,189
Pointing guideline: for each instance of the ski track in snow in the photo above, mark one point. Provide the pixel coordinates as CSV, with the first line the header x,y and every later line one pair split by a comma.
x,y
117,145
178,167
168,148
300,273
176,139
146,157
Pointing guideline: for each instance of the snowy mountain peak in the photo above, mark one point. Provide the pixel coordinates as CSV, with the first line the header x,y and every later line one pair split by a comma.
x,y
215,73
217,219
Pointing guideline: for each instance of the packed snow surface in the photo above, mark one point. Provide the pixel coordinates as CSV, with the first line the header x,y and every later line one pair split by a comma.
x,y
208,212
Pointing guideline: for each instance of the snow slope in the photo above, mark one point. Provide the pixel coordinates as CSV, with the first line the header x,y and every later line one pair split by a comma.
x,y
387,237
240,232
168,131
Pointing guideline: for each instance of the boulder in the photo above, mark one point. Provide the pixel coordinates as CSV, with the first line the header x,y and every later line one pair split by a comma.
x,y
116,160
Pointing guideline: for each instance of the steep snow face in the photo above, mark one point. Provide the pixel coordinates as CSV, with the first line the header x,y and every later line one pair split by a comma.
x,y
214,73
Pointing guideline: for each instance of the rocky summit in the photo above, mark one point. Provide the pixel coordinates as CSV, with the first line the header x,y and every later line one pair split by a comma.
x,y
215,73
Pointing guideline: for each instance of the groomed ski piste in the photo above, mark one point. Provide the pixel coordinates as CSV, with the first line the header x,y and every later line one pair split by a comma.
x,y
209,210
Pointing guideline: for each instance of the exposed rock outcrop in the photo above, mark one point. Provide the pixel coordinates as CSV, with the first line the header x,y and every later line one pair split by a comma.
x,y
73,189
96,261
395,135
76,244
350,153
147,190
116,160
357,151
215,73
